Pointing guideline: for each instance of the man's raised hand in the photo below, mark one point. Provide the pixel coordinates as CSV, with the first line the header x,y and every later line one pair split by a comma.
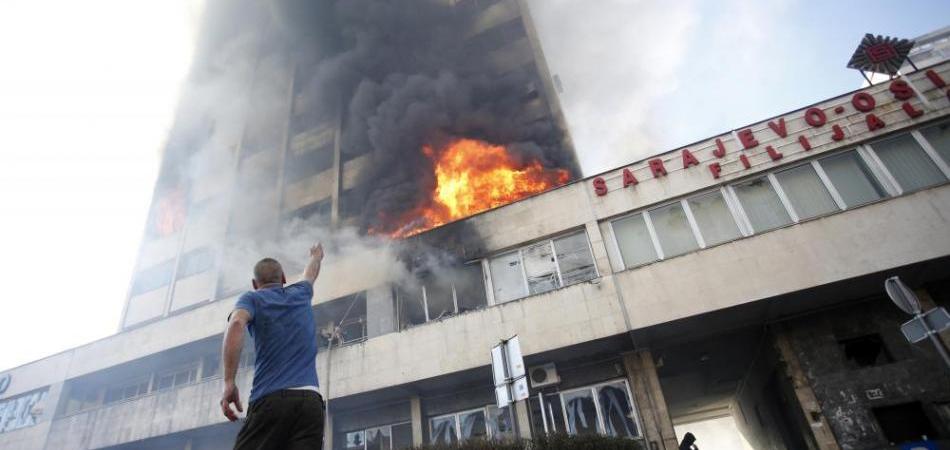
x,y
316,252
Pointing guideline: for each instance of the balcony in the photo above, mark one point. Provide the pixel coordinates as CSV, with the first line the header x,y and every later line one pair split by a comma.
x,y
157,413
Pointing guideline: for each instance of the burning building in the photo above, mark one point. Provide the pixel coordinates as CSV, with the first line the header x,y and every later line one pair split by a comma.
x,y
739,276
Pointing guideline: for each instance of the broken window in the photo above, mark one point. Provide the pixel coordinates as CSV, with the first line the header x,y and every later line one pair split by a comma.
x,y
606,408
439,298
341,321
470,288
411,307
500,424
903,423
402,436
443,430
483,423
865,351
574,259
542,267
547,415
195,262
386,437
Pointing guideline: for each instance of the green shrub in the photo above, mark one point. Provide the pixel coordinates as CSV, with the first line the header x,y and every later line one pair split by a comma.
x,y
549,442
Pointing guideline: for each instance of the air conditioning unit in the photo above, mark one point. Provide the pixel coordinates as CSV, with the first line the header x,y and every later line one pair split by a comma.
x,y
543,375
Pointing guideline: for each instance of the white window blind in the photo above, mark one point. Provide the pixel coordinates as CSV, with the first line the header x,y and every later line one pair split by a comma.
x,y
507,277
939,138
713,218
762,205
540,268
852,178
806,192
633,238
574,259
908,163
673,230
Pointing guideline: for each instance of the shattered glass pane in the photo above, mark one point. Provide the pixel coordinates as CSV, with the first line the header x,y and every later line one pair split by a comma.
x,y
355,440
442,430
439,299
473,425
378,438
540,268
411,308
617,411
574,259
470,288
581,412
499,423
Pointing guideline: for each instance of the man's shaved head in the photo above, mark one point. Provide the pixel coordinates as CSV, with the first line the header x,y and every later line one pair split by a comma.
x,y
268,271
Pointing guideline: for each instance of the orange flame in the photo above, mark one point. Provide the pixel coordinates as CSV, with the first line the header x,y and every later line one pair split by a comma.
x,y
473,176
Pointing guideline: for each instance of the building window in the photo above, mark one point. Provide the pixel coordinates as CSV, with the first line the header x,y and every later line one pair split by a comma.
x,y
806,192
713,218
176,377
387,437
939,138
341,321
542,267
865,351
673,230
761,204
195,262
126,391
489,422
605,408
153,278
852,179
902,423
908,163
450,292
635,241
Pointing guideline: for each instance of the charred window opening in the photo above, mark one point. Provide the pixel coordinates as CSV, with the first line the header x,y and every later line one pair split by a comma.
x,y
341,321
904,422
865,351
440,295
313,214
308,162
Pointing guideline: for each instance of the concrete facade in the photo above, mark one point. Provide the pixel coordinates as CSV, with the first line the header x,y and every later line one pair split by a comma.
x,y
622,336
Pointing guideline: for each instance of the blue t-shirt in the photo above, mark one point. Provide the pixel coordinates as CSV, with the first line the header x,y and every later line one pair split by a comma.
x,y
284,335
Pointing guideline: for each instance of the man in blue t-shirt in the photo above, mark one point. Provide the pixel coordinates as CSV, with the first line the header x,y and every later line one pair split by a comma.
x,y
285,410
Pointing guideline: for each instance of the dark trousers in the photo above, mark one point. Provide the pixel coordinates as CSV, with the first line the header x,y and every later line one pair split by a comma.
x,y
287,419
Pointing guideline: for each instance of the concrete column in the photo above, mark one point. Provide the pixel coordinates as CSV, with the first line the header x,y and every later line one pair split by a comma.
x,y
415,410
650,403
820,428
522,419
328,431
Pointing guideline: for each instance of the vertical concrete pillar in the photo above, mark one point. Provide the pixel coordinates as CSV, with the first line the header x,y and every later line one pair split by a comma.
x,y
820,428
415,411
522,419
650,403
328,430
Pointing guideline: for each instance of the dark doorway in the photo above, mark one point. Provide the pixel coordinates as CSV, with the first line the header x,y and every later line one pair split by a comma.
x,y
904,422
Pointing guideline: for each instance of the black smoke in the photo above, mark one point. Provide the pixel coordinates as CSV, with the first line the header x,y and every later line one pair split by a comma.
x,y
404,75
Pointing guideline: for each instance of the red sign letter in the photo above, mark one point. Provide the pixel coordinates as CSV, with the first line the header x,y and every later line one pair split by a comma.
x,y
745,161
656,166
600,187
775,155
935,79
628,178
804,142
779,128
912,112
862,101
720,150
838,132
716,169
815,117
689,159
874,123
747,139
901,89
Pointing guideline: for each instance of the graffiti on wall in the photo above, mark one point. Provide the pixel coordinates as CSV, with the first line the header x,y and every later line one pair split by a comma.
x,y
21,411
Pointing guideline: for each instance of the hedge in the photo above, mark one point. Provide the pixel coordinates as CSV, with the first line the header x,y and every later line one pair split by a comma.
x,y
549,442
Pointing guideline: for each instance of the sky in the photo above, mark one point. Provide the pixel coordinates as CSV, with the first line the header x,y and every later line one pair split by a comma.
x,y
88,90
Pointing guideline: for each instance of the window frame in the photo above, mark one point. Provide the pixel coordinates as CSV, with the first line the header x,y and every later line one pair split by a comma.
x,y
458,423
601,424
364,430
490,279
892,185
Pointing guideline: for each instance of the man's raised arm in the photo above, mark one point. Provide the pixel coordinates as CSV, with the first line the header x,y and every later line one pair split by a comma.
x,y
312,270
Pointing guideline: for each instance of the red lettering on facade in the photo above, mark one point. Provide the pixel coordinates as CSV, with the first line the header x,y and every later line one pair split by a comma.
x,y
774,154
747,139
716,169
862,101
656,166
874,122
815,117
600,186
936,79
838,132
912,112
689,159
779,128
901,90
803,141
629,179
720,150
745,161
